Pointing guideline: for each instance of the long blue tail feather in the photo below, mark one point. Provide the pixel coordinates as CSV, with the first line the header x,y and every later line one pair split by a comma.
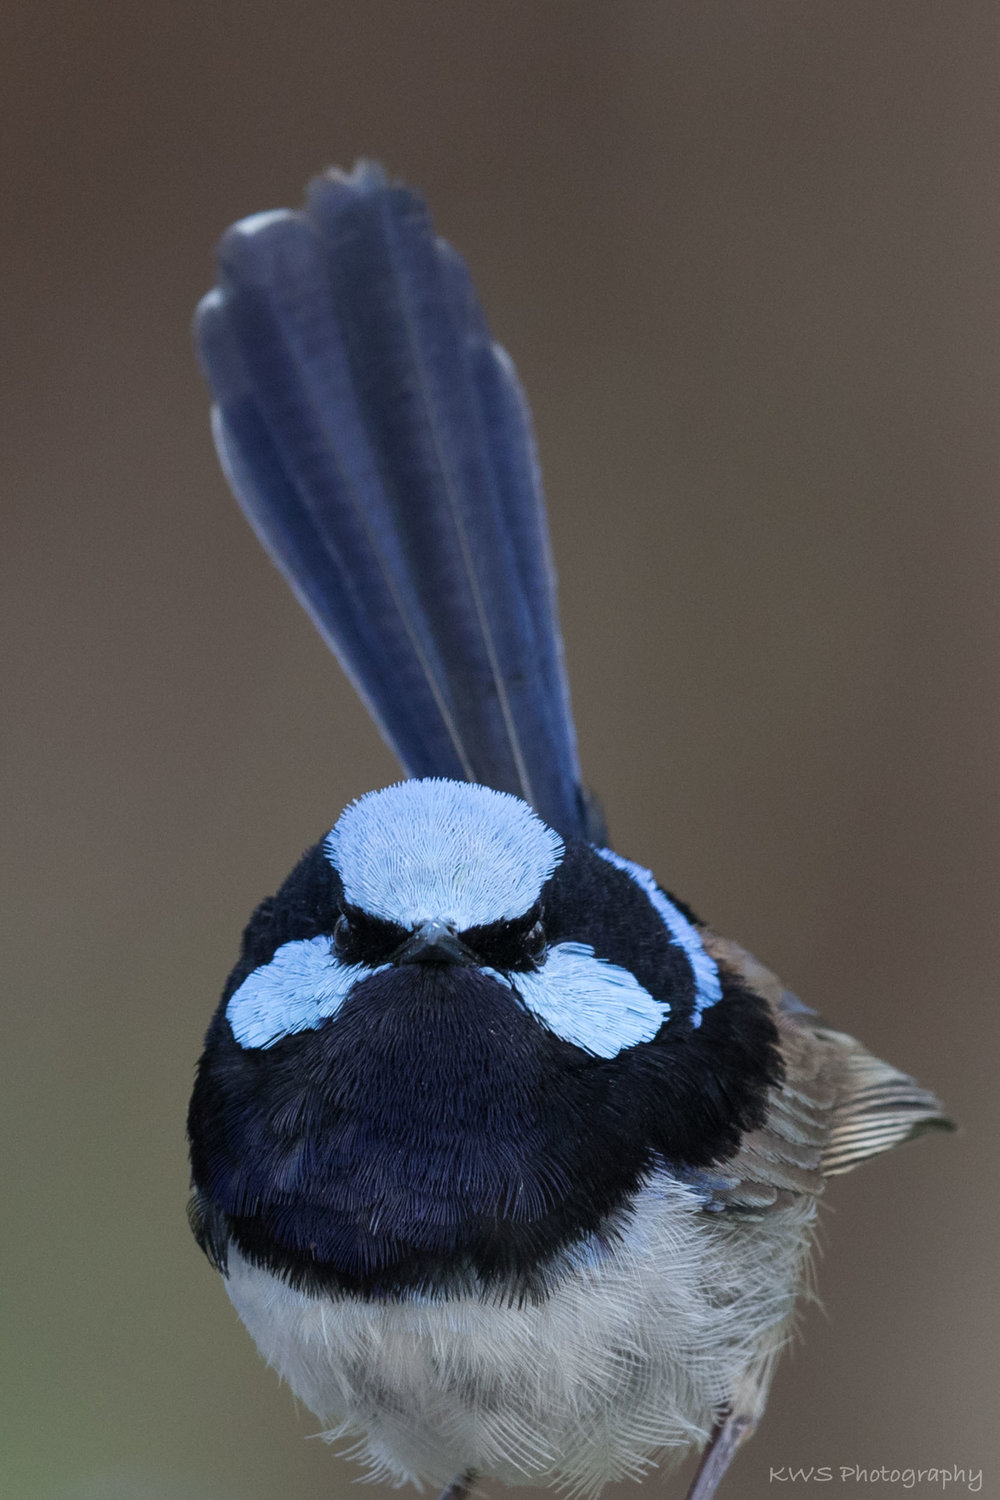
x,y
379,443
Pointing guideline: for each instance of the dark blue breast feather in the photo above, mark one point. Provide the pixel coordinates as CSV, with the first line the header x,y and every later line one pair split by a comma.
x,y
380,445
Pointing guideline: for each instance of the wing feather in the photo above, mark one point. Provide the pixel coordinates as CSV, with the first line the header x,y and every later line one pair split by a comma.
x,y
836,1107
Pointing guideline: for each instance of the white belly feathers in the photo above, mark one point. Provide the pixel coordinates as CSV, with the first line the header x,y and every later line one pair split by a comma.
x,y
639,1342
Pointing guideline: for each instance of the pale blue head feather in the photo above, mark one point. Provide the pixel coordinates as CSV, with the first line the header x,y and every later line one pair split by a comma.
x,y
707,984
451,851
596,1005
302,986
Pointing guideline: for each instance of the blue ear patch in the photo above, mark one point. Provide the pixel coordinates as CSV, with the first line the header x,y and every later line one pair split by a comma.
x,y
301,987
707,984
596,1005
451,851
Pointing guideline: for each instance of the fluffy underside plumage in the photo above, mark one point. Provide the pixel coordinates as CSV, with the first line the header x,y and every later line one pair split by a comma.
x,y
626,1362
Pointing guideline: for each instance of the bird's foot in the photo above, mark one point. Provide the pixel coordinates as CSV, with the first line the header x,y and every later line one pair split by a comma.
x,y
727,1435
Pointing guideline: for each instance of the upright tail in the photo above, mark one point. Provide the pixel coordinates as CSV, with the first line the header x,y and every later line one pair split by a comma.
x,y
380,445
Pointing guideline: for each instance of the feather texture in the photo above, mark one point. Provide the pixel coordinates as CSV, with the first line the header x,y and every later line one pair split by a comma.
x,y
836,1106
879,1108
646,1332
379,443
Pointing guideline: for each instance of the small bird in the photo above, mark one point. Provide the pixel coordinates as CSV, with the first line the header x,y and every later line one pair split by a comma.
x,y
509,1161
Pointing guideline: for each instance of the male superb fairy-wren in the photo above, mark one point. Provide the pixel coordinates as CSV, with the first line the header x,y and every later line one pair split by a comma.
x,y
509,1162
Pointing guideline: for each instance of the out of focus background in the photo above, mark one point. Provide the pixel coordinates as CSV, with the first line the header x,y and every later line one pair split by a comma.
x,y
745,255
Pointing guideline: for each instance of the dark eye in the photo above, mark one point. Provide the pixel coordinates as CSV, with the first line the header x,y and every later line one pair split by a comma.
x,y
534,943
342,936
360,938
509,945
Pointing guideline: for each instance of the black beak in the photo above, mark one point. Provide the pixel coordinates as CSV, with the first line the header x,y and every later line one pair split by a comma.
x,y
433,943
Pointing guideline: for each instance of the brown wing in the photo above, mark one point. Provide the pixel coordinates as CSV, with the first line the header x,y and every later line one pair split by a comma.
x,y
838,1105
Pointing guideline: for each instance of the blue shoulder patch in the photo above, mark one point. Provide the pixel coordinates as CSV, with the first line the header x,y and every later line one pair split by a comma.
x,y
707,985
301,987
451,851
596,1005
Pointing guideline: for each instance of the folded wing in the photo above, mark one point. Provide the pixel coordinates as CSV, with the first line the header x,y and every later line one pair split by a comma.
x,y
837,1106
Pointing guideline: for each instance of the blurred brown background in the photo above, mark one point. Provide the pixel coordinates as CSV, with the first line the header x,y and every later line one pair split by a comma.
x,y
745,256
